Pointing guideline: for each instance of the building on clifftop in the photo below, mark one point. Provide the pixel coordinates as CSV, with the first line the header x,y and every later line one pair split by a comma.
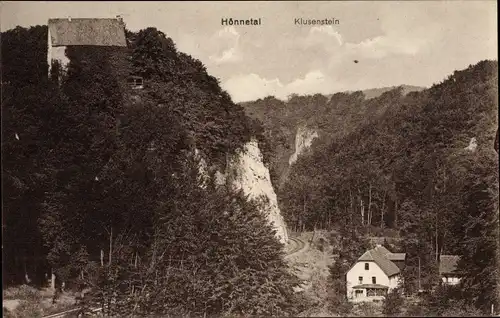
x,y
63,33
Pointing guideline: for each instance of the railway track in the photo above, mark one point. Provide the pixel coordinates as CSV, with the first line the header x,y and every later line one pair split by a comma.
x,y
295,245
74,312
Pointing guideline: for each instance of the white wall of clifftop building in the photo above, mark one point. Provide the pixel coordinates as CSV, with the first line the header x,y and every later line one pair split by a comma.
x,y
56,54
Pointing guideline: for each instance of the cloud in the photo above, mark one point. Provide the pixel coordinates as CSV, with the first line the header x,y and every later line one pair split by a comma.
x,y
327,62
228,56
406,33
227,42
383,46
324,32
252,86
319,37
420,38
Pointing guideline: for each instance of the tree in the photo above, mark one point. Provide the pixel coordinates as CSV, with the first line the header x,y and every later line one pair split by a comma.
x,y
24,56
393,303
212,252
478,262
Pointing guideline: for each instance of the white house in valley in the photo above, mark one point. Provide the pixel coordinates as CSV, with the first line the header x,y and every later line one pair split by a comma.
x,y
448,269
374,274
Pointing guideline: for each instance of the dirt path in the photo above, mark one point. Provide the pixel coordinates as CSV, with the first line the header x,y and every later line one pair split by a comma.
x,y
311,266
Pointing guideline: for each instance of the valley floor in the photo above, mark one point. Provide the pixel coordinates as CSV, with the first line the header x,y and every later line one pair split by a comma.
x,y
310,265
27,301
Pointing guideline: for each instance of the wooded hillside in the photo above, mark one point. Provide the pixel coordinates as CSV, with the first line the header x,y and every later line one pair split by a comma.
x,y
422,164
102,187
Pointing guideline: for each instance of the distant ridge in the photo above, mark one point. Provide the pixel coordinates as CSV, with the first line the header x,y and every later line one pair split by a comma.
x,y
369,93
376,92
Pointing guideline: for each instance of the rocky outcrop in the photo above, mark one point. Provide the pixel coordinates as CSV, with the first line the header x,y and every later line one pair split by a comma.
x,y
248,173
472,145
203,176
303,141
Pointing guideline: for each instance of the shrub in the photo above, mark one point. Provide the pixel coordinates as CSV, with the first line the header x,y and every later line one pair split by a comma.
x,y
25,309
23,292
393,303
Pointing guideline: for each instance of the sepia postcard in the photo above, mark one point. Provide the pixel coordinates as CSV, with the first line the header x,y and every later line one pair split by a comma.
x,y
250,158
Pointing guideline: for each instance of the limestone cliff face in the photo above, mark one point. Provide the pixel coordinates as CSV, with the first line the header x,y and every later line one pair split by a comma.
x,y
303,140
248,173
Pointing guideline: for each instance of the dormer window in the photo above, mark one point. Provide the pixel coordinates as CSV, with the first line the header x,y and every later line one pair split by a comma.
x,y
135,82
367,266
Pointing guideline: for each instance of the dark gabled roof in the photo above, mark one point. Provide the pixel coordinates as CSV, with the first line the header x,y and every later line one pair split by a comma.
x,y
391,256
396,256
377,256
448,264
377,286
99,32
381,249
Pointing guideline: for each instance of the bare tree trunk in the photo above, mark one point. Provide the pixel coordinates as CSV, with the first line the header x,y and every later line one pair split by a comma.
x,y
419,285
52,279
328,219
441,247
352,201
437,242
304,208
314,232
361,207
110,246
370,204
102,257
396,213
382,223
26,277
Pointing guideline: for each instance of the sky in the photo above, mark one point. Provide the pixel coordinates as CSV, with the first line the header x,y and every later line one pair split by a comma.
x,y
409,42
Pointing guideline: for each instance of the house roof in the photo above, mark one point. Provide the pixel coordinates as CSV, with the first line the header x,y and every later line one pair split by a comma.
x,y
391,256
377,255
381,249
99,32
396,256
376,286
448,264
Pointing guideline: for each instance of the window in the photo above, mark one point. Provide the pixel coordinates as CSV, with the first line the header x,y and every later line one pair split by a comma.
x,y
367,266
360,278
374,280
135,82
359,292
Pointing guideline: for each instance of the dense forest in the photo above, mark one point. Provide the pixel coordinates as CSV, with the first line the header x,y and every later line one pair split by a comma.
x,y
101,183
421,164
